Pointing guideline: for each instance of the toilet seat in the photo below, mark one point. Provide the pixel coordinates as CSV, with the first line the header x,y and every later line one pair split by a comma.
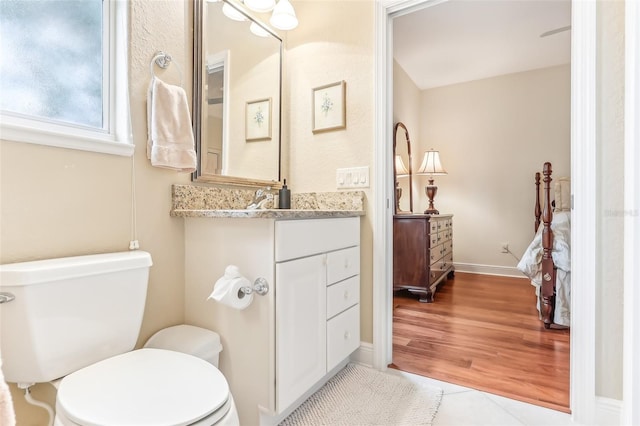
x,y
144,387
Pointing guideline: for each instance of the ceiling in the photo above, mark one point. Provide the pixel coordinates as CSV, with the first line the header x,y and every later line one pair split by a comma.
x,y
464,40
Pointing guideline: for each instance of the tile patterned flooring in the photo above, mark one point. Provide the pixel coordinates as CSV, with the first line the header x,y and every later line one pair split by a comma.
x,y
462,406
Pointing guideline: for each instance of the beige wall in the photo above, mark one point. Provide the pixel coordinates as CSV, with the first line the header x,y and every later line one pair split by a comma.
x,y
59,202
610,197
406,109
328,47
493,135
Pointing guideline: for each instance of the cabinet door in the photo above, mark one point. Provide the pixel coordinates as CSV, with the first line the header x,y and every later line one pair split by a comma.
x,y
300,327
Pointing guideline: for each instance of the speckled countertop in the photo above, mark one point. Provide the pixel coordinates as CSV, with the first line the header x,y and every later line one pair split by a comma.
x,y
211,202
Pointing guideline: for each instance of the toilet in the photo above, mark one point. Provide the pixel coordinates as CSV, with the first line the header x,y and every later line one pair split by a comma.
x,y
75,321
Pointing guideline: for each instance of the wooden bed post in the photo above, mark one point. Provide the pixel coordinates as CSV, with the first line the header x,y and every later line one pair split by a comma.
x,y
537,212
547,297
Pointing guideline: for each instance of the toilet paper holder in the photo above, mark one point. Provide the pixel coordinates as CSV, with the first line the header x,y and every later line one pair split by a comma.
x,y
260,286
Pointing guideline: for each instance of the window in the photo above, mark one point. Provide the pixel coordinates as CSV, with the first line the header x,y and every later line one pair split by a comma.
x,y
63,74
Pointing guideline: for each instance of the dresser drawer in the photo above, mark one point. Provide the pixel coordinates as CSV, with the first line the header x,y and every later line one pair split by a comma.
x,y
447,261
343,264
433,226
343,336
436,253
343,295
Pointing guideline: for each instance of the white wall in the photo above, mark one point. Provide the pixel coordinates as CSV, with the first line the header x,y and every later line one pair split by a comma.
x,y
493,135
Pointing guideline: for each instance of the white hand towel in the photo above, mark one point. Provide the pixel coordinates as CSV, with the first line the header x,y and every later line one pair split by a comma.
x,y
170,143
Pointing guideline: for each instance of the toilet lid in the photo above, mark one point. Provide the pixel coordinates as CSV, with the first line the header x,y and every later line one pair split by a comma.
x,y
143,387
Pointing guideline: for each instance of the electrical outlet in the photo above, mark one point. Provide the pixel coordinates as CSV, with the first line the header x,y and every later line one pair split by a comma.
x,y
504,247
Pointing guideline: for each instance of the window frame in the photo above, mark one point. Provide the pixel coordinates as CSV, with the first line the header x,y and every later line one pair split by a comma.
x,y
116,137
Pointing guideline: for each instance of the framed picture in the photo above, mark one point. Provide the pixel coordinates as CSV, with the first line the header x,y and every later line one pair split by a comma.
x,y
258,120
329,111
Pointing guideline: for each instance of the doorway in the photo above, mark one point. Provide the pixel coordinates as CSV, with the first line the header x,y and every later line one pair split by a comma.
x,y
483,78
583,159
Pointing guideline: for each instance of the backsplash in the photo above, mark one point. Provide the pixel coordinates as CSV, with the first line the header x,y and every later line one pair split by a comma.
x,y
195,197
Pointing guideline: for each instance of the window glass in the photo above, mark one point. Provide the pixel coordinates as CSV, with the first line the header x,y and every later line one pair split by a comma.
x,y
51,66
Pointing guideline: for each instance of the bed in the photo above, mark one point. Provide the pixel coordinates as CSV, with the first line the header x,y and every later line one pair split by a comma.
x,y
547,259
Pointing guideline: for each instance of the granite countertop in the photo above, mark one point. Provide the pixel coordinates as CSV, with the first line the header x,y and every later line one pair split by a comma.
x,y
201,201
268,213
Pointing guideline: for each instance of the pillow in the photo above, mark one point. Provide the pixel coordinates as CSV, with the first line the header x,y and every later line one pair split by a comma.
x,y
563,195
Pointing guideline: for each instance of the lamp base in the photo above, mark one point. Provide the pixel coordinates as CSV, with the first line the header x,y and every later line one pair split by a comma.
x,y
431,190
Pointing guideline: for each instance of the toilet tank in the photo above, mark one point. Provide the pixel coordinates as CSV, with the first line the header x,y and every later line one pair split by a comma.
x,y
70,312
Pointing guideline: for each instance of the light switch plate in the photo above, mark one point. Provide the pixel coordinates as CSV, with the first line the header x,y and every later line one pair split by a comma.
x,y
352,177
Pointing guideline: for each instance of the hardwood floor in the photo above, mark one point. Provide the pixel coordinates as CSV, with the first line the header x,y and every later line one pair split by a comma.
x,y
483,332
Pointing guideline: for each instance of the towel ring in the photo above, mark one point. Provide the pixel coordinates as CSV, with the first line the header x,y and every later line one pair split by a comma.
x,y
163,60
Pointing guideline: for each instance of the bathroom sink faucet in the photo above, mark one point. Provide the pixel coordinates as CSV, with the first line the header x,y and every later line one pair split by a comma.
x,y
260,198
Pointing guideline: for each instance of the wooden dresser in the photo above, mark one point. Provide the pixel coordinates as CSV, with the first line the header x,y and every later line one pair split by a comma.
x,y
422,253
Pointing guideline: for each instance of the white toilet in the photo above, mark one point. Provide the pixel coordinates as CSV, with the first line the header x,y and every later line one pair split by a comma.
x,y
78,319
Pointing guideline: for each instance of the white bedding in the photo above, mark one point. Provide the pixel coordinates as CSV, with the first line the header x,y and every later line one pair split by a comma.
x,y
531,265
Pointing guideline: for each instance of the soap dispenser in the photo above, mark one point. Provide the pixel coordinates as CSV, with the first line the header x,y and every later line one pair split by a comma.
x,y
284,196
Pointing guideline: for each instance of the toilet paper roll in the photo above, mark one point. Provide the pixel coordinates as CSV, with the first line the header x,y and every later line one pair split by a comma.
x,y
227,290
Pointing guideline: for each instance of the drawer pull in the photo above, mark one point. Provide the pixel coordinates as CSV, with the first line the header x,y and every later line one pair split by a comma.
x,y
347,335
346,263
346,294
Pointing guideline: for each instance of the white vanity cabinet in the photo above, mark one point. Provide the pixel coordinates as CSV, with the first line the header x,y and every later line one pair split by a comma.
x,y
317,301
278,349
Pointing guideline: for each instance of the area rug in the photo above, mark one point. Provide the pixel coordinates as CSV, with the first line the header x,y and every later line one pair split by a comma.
x,y
359,395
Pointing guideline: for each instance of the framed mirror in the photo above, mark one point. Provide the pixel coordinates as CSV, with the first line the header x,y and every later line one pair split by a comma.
x,y
236,96
402,169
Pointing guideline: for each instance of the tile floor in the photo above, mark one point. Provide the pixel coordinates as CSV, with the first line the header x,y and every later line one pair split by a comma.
x,y
462,406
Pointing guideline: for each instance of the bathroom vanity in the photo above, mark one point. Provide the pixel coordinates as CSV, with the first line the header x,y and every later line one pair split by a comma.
x,y
285,344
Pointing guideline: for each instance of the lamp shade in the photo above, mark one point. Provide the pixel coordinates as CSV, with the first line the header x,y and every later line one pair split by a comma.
x,y
401,170
260,6
431,164
283,16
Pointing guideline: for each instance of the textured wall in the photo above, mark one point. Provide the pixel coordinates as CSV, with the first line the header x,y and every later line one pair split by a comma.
x,y
610,164
59,202
328,47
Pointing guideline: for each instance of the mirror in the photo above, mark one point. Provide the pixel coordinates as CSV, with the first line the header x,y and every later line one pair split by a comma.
x,y
402,156
236,96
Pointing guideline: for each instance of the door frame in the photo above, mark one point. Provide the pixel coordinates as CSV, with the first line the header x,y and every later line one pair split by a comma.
x,y
583,156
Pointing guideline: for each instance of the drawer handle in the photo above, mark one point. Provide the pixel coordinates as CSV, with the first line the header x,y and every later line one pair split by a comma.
x,y
346,294
347,335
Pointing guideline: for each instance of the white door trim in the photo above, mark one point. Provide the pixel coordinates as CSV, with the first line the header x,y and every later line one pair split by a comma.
x,y
583,148
631,335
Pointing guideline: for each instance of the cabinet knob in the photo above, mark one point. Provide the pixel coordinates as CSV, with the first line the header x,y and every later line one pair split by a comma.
x,y
346,294
347,335
346,263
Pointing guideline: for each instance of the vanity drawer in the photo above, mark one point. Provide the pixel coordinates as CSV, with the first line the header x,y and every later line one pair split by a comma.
x,y
343,264
300,238
342,295
343,336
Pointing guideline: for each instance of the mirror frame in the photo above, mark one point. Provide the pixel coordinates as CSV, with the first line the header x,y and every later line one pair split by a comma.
x,y
197,176
395,179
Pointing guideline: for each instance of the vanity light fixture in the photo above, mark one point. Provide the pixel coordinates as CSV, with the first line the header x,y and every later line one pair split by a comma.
x,y
283,16
258,30
232,13
260,6
431,166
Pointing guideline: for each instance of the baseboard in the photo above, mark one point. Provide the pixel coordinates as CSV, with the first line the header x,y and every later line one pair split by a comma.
x,y
608,411
363,355
506,271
